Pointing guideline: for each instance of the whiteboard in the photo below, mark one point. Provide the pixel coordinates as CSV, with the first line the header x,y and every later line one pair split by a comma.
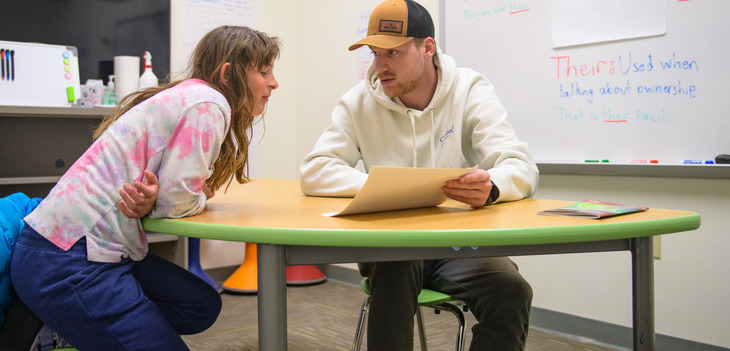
x,y
663,97
39,74
193,19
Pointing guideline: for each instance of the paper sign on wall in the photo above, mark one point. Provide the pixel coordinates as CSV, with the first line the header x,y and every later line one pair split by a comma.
x,y
576,22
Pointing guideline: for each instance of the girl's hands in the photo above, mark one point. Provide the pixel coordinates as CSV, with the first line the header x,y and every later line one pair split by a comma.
x,y
208,193
138,200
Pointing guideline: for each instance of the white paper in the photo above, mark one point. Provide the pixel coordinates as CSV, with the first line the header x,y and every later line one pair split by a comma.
x,y
576,22
397,188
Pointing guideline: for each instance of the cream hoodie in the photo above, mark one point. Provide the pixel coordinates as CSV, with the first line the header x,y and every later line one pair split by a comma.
x,y
464,125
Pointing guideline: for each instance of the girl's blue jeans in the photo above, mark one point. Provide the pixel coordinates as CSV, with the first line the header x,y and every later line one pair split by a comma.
x,y
128,305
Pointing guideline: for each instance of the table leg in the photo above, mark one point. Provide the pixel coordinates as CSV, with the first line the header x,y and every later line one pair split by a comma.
x,y
642,265
272,297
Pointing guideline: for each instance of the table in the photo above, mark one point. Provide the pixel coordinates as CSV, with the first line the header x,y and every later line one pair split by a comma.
x,y
289,229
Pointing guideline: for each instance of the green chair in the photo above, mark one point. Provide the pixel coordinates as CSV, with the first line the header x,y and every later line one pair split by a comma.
x,y
427,298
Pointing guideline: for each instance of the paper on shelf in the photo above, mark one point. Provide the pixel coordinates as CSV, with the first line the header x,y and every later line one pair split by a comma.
x,y
397,188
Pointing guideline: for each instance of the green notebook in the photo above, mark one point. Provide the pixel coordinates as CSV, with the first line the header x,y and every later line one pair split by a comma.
x,y
593,209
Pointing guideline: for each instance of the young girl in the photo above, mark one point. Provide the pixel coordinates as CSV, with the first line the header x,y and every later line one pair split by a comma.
x,y
81,264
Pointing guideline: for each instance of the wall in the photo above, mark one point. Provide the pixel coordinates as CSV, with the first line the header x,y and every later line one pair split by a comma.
x,y
692,291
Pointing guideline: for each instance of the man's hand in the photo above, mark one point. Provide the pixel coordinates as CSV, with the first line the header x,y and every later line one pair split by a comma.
x,y
472,188
138,200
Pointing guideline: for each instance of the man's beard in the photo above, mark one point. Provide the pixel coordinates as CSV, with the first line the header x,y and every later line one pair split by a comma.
x,y
400,90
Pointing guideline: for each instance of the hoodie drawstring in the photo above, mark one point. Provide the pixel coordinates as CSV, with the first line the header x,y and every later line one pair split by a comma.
x,y
413,127
415,147
433,146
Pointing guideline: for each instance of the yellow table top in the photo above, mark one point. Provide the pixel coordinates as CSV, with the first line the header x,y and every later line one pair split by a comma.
x,y
275,211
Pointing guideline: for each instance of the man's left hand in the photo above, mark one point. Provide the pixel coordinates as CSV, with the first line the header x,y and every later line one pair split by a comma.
x,y
472,188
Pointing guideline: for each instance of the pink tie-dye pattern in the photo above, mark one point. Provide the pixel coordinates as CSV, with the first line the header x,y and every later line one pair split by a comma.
x,y
187,137
138,153
207,134
84,200
89,159
61,233
197,184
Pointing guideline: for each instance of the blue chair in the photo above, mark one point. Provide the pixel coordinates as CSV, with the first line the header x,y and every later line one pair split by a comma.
x,y
427,298
194,264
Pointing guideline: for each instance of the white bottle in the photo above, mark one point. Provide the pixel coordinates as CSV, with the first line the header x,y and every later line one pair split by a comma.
x,y
109,97
148,78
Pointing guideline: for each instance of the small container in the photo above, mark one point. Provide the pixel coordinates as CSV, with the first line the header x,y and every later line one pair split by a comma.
x,y
109,97
93,91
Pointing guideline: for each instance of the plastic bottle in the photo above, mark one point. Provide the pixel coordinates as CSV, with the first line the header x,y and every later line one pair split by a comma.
x,y
148,78
109,97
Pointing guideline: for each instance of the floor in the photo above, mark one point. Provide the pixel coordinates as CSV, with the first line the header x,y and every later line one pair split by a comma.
x,y
323,317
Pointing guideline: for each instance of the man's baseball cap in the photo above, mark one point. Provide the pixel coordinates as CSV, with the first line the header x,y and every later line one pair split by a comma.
x,y
396,22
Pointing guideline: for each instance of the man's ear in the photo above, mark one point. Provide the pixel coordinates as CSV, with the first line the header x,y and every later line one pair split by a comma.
x,y
224,72
430,47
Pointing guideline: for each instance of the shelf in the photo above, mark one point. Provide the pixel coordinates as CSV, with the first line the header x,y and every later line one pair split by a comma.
x,y
641,170
55,112
29,180
153,237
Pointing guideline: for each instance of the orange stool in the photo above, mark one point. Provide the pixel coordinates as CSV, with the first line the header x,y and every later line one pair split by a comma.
x,y
245,278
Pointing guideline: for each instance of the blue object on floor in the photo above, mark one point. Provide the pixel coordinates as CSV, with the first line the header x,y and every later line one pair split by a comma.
x,y
194,264
13,208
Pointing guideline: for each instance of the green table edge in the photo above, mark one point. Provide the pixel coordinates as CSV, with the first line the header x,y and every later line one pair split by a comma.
x,y
426,238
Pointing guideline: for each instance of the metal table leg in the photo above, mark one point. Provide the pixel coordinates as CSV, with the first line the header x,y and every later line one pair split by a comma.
x,y
272,297
642,265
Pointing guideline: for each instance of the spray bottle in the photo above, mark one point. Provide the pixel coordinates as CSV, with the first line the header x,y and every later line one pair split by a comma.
x,y
148,78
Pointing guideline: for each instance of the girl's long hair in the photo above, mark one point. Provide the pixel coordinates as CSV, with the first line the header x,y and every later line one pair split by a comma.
x,y
243,48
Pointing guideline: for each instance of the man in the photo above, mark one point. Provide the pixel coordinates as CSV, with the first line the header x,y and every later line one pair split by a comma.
x,y
416,109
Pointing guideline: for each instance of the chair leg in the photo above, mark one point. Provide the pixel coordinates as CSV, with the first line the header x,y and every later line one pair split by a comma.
x,y
461,334
362,321
361,324
460,337
421,329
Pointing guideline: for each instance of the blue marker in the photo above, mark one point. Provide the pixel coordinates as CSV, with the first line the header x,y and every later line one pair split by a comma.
x,y
698,162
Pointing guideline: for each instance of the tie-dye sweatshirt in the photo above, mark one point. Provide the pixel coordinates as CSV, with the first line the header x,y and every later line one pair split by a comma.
x,y
176,134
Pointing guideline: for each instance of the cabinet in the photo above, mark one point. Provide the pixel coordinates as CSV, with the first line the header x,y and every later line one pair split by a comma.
x,y
39,144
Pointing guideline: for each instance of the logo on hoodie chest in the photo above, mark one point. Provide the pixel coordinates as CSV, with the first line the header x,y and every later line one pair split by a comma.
x,y
447,135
